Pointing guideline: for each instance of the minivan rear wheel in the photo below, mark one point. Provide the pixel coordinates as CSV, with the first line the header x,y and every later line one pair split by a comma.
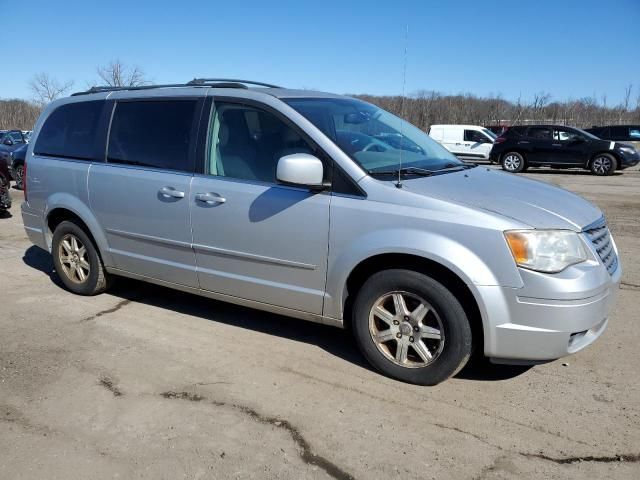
x,y
410,327
603,164
77,261
513,162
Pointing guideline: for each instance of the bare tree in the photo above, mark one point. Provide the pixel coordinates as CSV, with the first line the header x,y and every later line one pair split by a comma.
x,y
46,88
118,74
627,97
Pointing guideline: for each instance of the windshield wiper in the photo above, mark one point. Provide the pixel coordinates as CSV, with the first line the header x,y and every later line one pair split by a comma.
x,y
403,171
452,168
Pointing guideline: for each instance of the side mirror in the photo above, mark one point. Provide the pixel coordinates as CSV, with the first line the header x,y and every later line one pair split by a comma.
x,y
300,169
8,141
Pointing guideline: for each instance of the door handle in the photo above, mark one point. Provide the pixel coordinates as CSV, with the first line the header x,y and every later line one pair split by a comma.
x,y
458,143
556,144
171,192
210,198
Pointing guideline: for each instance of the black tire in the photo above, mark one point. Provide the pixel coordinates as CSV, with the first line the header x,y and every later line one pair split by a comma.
x,y
19,177
5,196
513,162
451,353
603,164
97,280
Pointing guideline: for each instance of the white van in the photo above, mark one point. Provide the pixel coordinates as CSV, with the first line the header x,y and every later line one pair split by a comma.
x,y
469,142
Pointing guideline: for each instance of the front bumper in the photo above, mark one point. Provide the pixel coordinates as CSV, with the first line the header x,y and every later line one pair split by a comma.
x,y
629,159
524,325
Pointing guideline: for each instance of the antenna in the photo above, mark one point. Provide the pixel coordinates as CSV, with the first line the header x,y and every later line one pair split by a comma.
x,y
404,84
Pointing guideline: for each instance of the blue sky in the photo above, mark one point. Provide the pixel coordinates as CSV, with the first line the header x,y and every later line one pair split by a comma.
x,y
570,49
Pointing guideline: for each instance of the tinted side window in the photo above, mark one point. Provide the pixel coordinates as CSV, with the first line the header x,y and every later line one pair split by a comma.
x,y
634,133
542,133
563,135
152,134
246,142
474,136
514,131
70,131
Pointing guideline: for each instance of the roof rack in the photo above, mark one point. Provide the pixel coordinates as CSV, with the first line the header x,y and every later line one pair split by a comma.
x,y
196,82
208,81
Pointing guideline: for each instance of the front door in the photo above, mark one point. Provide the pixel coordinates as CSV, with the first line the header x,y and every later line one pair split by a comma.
x,y
570,146
253,238
476,145
141,195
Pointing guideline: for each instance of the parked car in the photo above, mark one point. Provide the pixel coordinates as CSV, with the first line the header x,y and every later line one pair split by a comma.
x,y
5,179
619,133
469,142
9,141
17,165
285,200
560,147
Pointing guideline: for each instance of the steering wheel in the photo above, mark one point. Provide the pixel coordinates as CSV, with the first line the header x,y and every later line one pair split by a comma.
x,y
369,146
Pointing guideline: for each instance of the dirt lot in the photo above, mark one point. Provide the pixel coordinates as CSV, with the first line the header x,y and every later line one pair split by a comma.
x,y
146,382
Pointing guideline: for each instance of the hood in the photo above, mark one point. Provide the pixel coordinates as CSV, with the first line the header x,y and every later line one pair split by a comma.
x,y
534,203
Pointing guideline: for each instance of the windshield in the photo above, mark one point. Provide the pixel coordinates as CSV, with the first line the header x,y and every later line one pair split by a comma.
x,y
374,138
587,134
490,133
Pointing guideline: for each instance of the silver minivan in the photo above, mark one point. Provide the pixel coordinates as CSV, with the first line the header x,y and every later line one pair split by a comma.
x,y
322,208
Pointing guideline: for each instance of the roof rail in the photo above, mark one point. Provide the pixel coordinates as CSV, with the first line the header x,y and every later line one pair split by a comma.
x,y
196,82
207,81
109,88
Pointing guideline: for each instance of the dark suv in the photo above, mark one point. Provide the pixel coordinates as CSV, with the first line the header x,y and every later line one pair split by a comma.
x,y
10,140
560,147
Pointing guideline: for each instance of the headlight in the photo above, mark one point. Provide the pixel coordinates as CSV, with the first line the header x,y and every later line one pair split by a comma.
x,y
629,150
549,251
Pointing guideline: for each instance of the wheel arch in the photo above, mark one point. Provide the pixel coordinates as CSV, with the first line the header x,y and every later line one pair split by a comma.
x,y
60,211
439,272
515,150
600,152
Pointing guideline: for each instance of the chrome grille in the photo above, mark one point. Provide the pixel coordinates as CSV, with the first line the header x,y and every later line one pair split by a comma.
x,y
599,235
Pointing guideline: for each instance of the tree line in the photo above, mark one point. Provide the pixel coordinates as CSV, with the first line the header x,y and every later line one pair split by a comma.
x,y
423,108
427,108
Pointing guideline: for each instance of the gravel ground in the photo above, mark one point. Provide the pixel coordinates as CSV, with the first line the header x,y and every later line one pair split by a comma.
x,y
151,383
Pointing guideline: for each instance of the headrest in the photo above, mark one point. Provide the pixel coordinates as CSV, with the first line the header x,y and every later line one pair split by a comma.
x,y
223,135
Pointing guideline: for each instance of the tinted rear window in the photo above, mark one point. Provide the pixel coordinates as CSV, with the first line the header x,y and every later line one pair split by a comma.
x,y
70,131
152,134
542,133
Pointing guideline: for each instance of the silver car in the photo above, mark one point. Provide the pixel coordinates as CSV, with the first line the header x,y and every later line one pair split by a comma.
x,y
323,208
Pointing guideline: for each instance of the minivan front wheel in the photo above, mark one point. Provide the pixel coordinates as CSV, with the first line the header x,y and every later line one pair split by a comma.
x,y
77,261
603,164
410,327
513,162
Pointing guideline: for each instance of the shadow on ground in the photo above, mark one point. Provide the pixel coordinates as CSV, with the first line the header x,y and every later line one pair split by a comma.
x,y
333,340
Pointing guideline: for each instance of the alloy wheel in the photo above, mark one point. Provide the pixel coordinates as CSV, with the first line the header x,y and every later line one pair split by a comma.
x,y
511,162
19,175
74,258
406,329
602,165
